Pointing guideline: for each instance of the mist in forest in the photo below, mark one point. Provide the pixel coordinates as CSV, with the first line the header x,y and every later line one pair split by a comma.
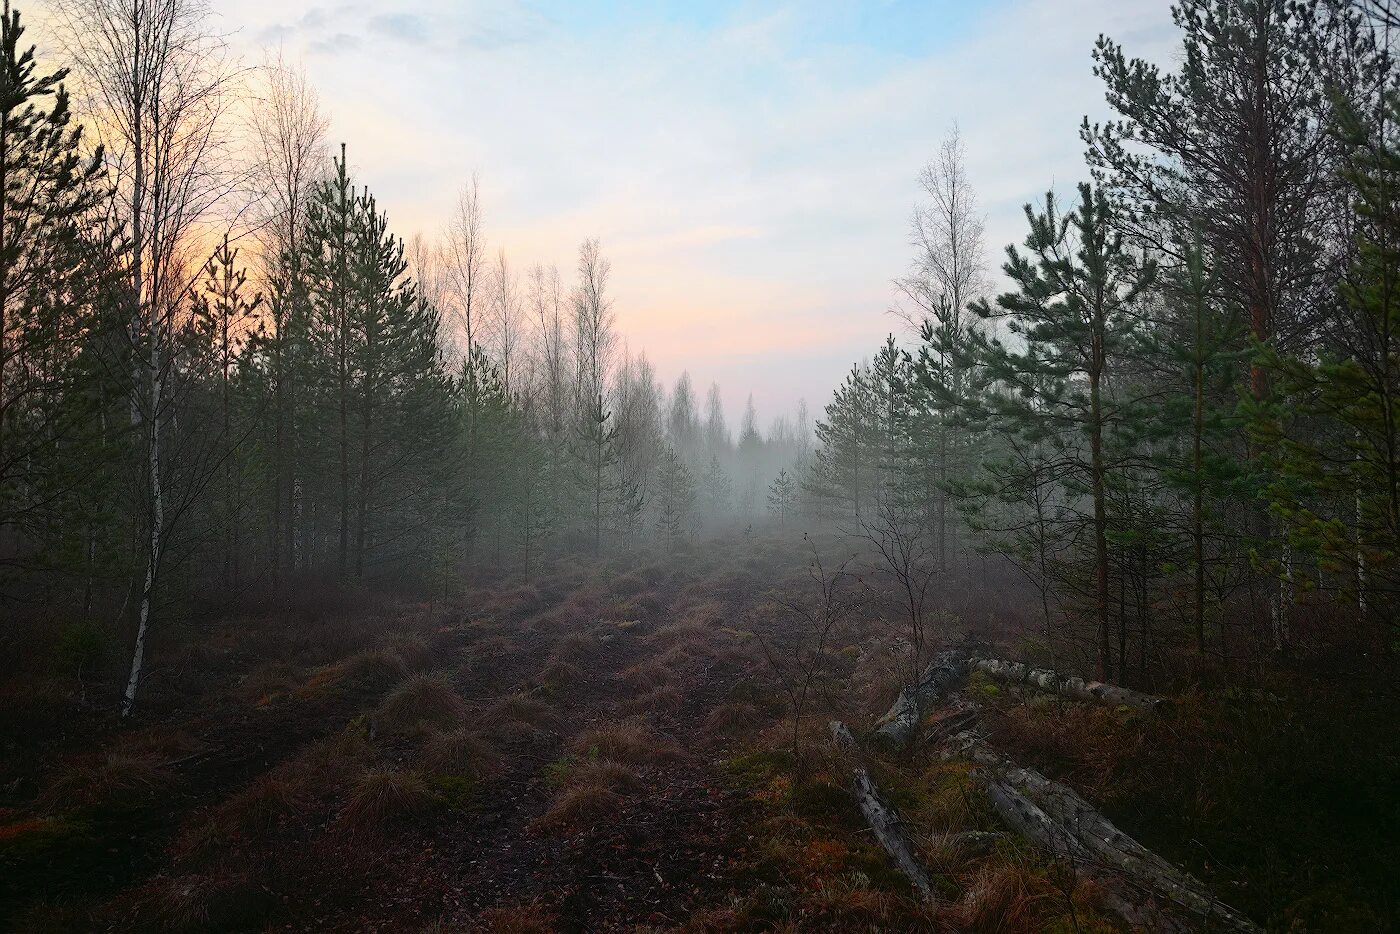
x,y
565,468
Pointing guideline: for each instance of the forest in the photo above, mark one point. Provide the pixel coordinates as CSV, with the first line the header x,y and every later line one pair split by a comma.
x,y
360,581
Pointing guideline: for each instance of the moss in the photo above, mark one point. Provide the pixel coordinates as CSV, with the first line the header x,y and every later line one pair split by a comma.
x,y
456,792
758,769
980,685
558,771
820,800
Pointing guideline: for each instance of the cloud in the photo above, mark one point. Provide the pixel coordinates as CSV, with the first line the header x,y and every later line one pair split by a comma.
x,y
751,172
405,27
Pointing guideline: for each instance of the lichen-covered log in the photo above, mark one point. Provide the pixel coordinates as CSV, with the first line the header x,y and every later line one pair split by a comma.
x,y
898,727
1076,688
884,821
1058,820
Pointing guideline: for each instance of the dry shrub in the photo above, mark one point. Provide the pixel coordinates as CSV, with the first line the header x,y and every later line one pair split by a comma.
x,y
603,773
460,752
112,778
330,764
630,741
424,700
383,797
530,918
203,902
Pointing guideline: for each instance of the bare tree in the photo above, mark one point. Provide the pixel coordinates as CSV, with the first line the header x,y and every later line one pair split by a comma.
x,y
797,651
464,263
546,300
288,131
505,319
907,562
947,233
158,83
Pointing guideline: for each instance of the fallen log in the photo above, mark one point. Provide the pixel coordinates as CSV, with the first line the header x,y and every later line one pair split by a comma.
x,y
1058,820
897,727
884,820
1053,682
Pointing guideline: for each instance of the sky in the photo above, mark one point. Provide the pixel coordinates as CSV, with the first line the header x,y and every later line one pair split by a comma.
x,y
750,168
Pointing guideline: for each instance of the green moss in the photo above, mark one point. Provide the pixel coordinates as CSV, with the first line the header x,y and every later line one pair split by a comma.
x,y
455,792
756,770
981,685
558,771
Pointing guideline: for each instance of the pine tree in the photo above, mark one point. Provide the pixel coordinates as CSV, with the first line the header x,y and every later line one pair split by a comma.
x,y
55,263
782,495
1074,309
675,497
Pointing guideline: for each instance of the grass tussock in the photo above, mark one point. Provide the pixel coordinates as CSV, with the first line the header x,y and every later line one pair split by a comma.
x,y
659,700
646,675
421,702
530,918
576,647
561,674
517,716
111,779
202,902
383,797
459,752
631,741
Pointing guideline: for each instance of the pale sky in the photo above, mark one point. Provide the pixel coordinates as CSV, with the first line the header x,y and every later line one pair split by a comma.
x,y
750,168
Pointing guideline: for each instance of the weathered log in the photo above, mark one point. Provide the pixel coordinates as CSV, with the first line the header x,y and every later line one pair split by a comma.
x,y
897,727
1057,819
884,820
1096,692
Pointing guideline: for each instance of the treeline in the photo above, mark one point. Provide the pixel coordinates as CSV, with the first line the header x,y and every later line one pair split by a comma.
x,y
1180,420
220,369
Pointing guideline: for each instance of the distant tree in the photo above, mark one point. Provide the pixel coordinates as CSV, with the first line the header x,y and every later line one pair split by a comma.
x,y
675,497
782,495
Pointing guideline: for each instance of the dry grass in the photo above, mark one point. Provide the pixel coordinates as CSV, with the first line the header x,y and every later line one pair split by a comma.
x,y
559,674
531,918
383,797
630,741
111,779
576,647
261,806
460,752
373,669
657,700
516,716
646,675
1003,899
733,718
204,902
578,806
423,701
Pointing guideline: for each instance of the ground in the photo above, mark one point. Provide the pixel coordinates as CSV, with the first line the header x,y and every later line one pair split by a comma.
x,y
595,747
